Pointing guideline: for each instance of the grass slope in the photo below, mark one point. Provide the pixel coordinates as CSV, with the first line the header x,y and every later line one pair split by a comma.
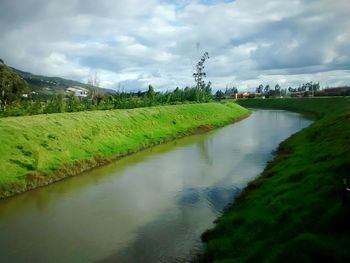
x,y
37,150
293,212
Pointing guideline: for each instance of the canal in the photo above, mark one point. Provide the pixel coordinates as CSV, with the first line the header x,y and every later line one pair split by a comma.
x,y
151,206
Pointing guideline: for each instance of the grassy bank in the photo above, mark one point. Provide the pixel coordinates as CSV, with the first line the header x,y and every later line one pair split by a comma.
x,y
294,211
37,150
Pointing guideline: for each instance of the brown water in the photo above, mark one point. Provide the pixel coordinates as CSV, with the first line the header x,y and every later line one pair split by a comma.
x,y
148,207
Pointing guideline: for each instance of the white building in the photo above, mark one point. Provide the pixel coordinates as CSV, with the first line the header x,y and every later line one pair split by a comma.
x,y
78,91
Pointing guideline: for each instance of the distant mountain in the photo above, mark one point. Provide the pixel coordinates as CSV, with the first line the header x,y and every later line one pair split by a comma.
x,y
39,83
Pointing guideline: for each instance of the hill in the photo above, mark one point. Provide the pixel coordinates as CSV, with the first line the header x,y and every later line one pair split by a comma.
x,y
52,85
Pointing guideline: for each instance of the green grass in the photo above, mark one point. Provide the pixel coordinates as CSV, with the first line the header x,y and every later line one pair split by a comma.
x,y
293,212
36,150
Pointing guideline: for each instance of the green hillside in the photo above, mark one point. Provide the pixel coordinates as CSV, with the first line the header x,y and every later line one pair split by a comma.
x,y
52,85
294,212
36,150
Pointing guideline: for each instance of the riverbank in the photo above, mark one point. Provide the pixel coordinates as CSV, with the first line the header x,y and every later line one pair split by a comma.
x,y
294,211
39,150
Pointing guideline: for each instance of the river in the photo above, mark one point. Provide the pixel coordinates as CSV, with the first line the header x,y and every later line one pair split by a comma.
x,y
151,206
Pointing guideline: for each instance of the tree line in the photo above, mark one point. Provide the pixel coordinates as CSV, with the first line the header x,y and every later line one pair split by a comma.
x,y
14,103
16,98
267,91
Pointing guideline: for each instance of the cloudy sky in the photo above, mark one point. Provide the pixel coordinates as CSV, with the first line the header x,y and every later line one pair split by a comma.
x,y
132,43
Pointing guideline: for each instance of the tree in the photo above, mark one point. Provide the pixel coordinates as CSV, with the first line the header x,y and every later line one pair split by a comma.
x,y
207,91
94,83
56,104
73,104
151,94
314,87
267,89
231,92
277,89
190,94
12,87
260,89
200,74
235,90
219,95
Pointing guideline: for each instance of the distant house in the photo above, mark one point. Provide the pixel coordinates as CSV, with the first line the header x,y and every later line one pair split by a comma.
x,y
78,91
338,91
298,94
243,95
26,95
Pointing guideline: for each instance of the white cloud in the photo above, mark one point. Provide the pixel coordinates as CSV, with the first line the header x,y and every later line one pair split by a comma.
x,y
133,43
58,63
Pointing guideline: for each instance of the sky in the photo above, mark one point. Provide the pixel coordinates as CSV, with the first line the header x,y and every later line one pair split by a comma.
x,y
130,44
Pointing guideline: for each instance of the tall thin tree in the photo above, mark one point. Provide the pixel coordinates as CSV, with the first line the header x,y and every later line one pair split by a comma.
x,y
200,74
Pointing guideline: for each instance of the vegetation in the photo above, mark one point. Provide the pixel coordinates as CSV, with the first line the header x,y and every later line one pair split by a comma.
x,y
199,75
48,95
63,102
36,150
229,93
306,87
46,86
296,211
11,87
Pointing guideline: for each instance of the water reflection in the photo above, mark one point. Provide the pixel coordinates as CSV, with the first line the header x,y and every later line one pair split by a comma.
x,y
148,207
216,197
219,197
204,147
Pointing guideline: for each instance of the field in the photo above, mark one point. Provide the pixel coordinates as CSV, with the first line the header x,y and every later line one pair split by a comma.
x,y
295,211
41,149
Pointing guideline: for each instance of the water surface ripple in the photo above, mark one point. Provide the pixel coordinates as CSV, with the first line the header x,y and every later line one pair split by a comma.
x,y
148,207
